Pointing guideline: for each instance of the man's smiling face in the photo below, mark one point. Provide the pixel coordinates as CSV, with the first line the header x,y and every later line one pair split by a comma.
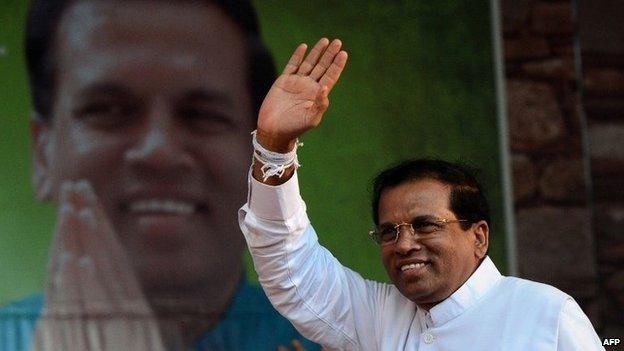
x,y
152,107
427,270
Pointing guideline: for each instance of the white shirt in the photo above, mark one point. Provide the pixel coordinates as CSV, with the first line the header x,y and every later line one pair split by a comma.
x,y
335,307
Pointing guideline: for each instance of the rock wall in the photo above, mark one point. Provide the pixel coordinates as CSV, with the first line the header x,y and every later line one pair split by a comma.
x,y
564,64
602,52
546,129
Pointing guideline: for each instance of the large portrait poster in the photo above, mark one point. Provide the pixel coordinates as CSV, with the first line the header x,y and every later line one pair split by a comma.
x,y
420,83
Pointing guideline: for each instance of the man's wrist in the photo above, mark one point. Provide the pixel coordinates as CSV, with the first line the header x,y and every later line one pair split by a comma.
x,y
272,180
276,163
275,144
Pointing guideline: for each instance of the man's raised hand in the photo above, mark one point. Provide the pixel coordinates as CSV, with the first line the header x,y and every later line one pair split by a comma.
x,y
299,97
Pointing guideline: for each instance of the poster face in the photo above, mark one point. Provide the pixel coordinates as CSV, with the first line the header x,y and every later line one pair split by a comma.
x,y
419,84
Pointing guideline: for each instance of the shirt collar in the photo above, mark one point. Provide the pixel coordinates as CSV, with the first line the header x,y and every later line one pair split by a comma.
x,y
480,282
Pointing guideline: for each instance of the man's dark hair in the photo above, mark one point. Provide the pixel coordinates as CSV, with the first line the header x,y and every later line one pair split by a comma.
x,y
467,199
44,19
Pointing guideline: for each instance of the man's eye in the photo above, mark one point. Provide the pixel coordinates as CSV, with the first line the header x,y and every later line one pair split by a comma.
x,y
103,109
207,120
425,227
387,234
105,113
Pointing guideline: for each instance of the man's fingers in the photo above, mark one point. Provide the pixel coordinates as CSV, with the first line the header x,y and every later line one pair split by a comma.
x,y
54,256
310,61
326,60
295,60
111,266
62,221
99,275
297,345
332,75
112,286
95,264
75,193
64,276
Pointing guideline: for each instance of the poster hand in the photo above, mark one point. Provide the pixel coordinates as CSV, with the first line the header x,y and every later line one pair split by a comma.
x,y
93,297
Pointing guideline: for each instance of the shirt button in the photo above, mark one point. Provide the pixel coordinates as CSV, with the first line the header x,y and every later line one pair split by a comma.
x,y
428,338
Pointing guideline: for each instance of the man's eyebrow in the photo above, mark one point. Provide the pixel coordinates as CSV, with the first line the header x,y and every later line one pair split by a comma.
x,y
105,88
419,218
208,95
422,218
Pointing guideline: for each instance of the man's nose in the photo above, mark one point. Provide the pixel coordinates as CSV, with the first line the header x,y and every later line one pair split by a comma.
x,y
406,240
161,144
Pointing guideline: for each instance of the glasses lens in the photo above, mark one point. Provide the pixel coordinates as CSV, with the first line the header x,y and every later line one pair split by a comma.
x,y
423,227
387,234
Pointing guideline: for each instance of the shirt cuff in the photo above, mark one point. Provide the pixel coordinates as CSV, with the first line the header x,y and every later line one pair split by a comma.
x,y
274,203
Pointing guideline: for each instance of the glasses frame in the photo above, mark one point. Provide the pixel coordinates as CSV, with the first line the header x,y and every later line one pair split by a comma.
x,y
377,238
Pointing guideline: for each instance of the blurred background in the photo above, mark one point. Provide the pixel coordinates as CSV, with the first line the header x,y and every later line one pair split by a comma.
x,y
530,92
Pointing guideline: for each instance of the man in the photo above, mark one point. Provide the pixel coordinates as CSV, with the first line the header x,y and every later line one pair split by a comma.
x,y
432,225
140,135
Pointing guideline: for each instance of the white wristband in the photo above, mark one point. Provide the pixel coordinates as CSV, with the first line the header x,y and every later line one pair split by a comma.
x,y
274,163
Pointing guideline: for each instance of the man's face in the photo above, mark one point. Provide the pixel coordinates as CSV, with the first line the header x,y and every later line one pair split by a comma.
x,y
152,107
450,255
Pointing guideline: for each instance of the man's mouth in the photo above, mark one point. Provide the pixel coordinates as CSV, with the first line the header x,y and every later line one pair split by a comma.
x,y
172,207
413,266
406,267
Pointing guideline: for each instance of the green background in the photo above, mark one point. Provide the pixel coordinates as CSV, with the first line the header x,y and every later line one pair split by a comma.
x,y
419,83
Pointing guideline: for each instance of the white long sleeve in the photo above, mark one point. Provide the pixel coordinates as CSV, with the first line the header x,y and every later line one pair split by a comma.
x,y
327,303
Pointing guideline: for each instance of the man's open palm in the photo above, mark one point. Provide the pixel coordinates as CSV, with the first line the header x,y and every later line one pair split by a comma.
x,y
299,97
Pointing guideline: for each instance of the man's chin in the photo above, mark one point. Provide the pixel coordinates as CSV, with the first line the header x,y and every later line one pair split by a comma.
x,y
185,275
169,275
418,292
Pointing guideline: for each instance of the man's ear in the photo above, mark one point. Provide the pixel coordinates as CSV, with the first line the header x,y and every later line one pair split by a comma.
x,y
42,147
481,232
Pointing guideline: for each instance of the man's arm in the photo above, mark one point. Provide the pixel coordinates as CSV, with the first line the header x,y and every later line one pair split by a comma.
x,y
327,302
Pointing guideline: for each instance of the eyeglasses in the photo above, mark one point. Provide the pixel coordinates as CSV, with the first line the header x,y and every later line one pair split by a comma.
x,y
425,227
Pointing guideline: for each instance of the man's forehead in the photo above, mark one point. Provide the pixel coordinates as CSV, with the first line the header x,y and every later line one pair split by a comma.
x,y
93,23
416,197
116,41
419,188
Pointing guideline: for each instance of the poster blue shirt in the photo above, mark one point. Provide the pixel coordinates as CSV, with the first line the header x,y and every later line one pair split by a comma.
x,y
250,323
